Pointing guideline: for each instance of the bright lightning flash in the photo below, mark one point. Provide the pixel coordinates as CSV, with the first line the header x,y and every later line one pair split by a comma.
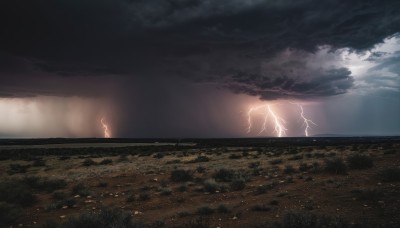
x,y
106,130
306,122
278,121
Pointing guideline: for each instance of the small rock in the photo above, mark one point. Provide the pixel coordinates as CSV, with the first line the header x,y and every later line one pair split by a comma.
x,y
234,218
89,197
137,213
77,196
64,207
62,216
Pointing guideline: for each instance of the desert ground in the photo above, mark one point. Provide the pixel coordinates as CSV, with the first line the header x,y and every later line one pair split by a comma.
x,y
293,182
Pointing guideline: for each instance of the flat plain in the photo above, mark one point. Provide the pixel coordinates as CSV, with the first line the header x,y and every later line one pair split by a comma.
x,y
292,182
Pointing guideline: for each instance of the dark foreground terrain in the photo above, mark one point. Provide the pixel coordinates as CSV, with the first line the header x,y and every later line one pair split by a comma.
x,y
291,182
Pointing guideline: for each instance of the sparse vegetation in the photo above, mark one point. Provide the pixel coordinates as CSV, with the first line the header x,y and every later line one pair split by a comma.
x,y
16,192
200,158
205,210
88,162
275,161
180,175
17,168
107,217
106,162
81,190
335,166
301,219
9,214
390,174
359,161
268,182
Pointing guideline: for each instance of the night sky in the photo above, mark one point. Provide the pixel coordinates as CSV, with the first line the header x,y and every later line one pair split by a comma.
x,y
195,68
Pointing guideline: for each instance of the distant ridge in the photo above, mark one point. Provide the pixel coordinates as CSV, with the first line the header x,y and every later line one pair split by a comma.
x,y
354,135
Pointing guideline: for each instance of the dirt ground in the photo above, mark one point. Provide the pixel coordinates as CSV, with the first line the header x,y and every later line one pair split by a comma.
x,y
272,183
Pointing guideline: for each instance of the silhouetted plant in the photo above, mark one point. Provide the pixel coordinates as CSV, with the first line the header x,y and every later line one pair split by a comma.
x,y
335,166
359,161
180,175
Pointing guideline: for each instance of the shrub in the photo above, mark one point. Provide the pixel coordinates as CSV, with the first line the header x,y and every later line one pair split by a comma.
x,y
200,158
9,214
210,185
222,209
336,166
205,210
254,165
158,155
17,168
224,175
166,191
183,188
259,207
289,169
88,162
59,195
235,156
180,175
62,158
304,167
104,219
39,162
369,194
200,222
301,219
359,161
130,198
176,161
44,184
265,187
102,184
106,162
275,161
144,196
80,189
390,174
237,184
16,192
201,169
124,157
296,157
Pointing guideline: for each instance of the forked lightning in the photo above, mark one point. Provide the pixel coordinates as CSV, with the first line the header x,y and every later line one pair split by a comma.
x,y
277,121
105,127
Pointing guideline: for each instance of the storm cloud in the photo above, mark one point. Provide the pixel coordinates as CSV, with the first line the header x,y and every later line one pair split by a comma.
x,y
228,43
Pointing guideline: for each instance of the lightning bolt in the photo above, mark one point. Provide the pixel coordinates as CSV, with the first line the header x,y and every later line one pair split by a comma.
x,y
105,127
278,122
306,122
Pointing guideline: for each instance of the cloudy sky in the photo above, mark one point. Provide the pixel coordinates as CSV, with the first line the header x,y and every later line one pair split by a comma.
x,y
195,68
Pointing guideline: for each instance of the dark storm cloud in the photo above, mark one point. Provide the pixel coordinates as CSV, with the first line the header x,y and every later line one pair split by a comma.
x,y
325,83
223,42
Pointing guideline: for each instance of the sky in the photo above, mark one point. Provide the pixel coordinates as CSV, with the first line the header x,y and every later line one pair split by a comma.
x,y
199,68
